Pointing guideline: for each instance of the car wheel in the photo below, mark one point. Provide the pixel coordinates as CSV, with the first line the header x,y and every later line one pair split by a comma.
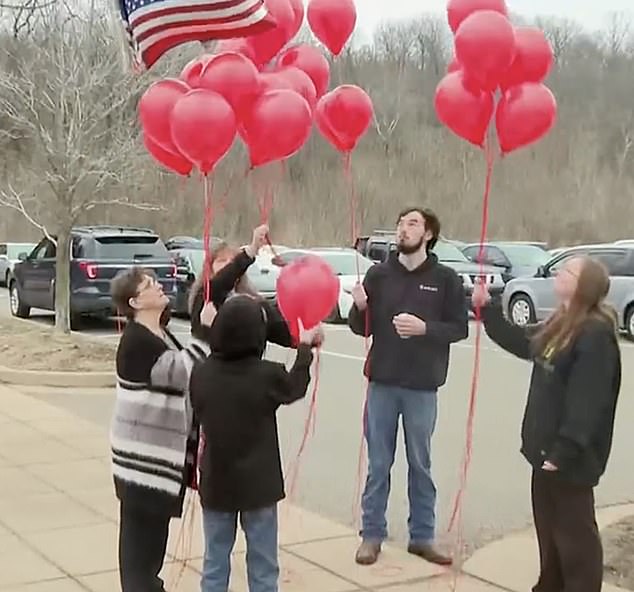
x,y
6,279
521,310
18,308
629,322
75,321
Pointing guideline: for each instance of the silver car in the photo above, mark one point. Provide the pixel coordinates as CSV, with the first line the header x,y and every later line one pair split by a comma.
x,y
9,256
531,299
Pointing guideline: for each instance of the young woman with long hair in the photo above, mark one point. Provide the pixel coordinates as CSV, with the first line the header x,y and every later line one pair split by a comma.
x,y
234,264
569,418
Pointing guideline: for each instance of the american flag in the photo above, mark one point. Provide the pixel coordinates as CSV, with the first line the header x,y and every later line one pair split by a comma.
x,y
156,26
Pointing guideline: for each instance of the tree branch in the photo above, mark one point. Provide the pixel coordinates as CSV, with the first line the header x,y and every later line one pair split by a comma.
x,y
14,201
145,207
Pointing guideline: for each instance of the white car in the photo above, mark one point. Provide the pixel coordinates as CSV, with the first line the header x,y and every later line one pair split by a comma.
x,y
344,263
9,256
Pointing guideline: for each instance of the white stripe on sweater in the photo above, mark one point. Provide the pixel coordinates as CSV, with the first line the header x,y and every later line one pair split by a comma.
x,y
146,480
176,457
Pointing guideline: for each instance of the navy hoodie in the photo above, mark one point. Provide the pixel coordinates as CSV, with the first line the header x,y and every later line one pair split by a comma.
x,y
432,292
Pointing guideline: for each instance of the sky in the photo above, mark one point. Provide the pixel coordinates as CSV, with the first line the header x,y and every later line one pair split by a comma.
x,y
592,14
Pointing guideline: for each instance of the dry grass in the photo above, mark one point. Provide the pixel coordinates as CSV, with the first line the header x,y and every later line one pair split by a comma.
x,y
618,541
27,345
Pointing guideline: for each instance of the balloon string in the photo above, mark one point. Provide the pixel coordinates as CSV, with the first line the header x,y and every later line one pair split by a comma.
x,y
456,514
309,429
266,198
352,191
207,224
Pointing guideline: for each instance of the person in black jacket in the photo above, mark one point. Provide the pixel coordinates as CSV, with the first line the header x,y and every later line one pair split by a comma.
x,y
569,418
414,308
234,264
236,395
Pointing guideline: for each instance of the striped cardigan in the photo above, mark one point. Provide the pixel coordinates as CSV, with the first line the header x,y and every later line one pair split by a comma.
x,y
152,428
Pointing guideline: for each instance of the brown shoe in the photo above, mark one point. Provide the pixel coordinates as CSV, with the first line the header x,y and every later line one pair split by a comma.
x,y
431,554
367,553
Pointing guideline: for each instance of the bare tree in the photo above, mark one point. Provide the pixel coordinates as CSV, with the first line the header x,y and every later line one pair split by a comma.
x,y
67,105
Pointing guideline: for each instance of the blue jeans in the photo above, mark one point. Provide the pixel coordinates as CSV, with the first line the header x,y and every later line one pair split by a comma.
x,y
260,528
419,411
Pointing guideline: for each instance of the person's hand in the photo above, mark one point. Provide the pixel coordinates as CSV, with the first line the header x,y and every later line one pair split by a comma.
x,y
208,314
258,240
359,297
319,338
480,296
548,466
310,336
408,325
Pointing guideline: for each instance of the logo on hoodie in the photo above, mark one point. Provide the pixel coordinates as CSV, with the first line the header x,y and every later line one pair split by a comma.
x,y
428,288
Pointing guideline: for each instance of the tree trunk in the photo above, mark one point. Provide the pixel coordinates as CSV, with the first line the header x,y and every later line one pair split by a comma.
x,y
62,280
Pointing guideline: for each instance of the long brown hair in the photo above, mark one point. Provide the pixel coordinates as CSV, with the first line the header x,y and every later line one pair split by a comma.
x,y
243,286
588,302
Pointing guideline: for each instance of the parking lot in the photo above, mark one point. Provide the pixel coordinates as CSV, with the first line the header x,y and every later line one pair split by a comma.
x,y
497,494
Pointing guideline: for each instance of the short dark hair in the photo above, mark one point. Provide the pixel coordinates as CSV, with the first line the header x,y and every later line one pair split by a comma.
x,y
125,286
432,223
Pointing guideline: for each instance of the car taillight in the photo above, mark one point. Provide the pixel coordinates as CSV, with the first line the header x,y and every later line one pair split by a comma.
x,y
90,269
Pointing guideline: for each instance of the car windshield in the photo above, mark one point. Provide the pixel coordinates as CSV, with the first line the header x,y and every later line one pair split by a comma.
x,y
130,247
346,263
14,250
447,252
528,255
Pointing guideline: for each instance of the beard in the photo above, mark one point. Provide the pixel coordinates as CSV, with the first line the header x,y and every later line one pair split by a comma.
x,y
409,249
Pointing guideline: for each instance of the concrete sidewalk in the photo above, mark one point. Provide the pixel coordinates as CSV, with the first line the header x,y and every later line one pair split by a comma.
x,y
58,526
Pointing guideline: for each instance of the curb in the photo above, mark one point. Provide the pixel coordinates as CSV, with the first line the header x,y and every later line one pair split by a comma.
x,y
57,379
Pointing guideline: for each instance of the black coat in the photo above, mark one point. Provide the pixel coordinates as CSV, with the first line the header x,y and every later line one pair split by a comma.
x,y
236,395
571,406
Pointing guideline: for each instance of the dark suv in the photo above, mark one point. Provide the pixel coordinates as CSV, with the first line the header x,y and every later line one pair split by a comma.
x,y
381,243
98,253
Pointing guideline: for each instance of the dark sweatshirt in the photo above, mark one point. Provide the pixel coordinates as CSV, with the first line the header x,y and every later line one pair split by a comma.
x,y
432,292
236,395
220,286
571,406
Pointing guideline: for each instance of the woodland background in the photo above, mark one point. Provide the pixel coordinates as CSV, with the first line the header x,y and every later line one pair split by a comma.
x,y
70,150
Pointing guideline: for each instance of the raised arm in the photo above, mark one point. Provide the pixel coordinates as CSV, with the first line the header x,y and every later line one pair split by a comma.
x,y
515,340
277,330
292,385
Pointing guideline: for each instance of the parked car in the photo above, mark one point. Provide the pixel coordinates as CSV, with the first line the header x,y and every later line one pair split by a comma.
x,y
98,253
344,263
529,300
517,259
9,253
379,245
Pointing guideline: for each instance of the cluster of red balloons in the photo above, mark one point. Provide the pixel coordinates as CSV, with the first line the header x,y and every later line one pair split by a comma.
x,y
492,55
260,90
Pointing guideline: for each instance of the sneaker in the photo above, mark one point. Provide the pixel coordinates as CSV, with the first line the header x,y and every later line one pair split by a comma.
x,y
430,553
368,553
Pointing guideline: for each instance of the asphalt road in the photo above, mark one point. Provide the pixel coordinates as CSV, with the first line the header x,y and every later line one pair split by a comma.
x,y
496,500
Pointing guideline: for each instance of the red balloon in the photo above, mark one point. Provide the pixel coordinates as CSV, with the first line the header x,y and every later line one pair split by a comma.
x,y
459,10
485,46
307,291
454,66
297,7
174,162
344,115
265,46
300,82
203,127
466,111
236,46
193,69
273,81
533,58
332,22
234,77
525,114
277,127
155,108
310,60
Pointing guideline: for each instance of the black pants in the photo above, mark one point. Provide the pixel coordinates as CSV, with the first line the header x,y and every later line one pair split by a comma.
x,y
570,550
142,546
